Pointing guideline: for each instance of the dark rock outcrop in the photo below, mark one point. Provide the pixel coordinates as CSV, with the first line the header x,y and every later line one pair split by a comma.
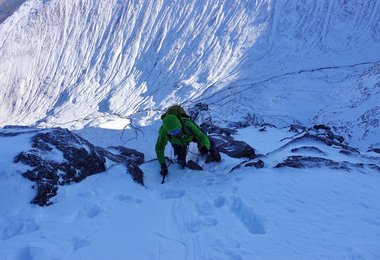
x,y
308,136
197,109
318,162
237,149
375,150
257,164
297,128
209,128
59,157
129,157
224,142
310,162
194,166
322,127
325,131
307,149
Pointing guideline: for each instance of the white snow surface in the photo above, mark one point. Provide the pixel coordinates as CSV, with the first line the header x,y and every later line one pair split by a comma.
x,y
80,64
108,69
248,213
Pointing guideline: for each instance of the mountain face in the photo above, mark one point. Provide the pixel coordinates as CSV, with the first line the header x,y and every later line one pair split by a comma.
x,y
7,7
82,63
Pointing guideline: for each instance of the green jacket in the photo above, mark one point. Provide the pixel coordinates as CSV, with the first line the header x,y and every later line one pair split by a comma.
x,y
190,131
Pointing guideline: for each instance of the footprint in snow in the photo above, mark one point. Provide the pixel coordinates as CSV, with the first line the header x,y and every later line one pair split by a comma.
x,y
90,212
247,216
78,242
22,227
128,199
220,201
209,182
205,208
198,225
172,194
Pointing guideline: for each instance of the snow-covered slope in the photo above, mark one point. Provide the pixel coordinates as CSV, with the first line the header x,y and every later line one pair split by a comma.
x,y
70,60
7,7
325,210
84,63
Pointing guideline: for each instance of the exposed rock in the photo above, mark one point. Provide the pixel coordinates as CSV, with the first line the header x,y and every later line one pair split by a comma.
x,y
310,162
196,109
129,154
194,166
346,152
60,157
339,138
322,139
258,164
297,128
136,173
371,166
307,149
325,131
268,125
263,127
321,126
220,139
237,149
130,158
318,162
209,128
375,150
10,130
225,143
211,158
248,120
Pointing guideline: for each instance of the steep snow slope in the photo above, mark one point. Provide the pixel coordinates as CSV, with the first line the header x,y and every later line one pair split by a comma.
x,y
318,212
116,57
84,63
7,7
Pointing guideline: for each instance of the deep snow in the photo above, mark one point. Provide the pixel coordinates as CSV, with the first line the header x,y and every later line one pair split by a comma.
x,y
212,214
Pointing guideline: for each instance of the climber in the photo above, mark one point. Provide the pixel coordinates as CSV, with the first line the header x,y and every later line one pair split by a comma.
x,y
178,129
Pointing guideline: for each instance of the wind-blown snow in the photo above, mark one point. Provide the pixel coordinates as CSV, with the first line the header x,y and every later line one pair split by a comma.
x,y
76,64
117,57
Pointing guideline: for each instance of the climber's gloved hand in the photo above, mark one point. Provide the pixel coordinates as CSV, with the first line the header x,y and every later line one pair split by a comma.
x,y
164,170
216,155
203,150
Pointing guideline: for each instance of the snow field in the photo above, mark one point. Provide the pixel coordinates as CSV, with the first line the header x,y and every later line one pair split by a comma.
x,y
245,214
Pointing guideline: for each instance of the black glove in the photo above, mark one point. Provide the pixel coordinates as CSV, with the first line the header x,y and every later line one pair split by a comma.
x,y
164,170
203,150
216,155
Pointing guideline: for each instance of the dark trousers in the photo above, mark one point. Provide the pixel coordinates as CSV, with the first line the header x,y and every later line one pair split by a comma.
x,y
181,150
